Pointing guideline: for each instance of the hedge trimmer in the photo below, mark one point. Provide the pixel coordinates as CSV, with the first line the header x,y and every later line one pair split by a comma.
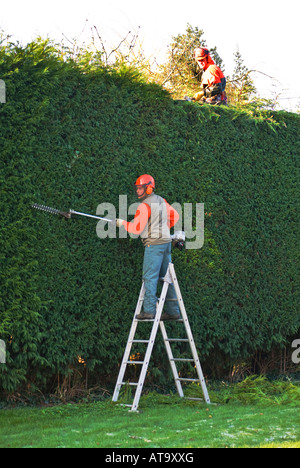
x,y
177,238
66,214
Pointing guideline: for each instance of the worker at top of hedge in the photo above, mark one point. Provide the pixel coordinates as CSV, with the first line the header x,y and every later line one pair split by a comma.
x,y
213,81
152,222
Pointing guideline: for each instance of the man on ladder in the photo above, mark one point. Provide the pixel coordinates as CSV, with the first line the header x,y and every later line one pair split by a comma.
x,y
152,222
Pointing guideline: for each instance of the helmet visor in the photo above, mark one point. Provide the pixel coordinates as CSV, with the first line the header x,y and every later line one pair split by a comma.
x,y
140,190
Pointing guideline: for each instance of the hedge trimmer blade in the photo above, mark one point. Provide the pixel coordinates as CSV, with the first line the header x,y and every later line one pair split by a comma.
x,y
67,214
48,209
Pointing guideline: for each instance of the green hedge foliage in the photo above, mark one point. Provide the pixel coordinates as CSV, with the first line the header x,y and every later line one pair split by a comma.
x,y
75,135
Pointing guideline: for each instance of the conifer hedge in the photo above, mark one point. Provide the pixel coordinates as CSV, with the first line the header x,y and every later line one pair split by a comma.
x,y
74,135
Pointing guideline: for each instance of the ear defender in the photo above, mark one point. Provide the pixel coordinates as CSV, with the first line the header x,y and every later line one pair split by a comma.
x,y
149,190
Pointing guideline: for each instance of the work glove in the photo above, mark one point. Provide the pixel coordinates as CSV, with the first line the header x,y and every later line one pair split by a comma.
x,y
199,95
119,222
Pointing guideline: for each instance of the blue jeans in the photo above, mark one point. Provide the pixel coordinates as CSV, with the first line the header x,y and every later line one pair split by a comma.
x,y
156,262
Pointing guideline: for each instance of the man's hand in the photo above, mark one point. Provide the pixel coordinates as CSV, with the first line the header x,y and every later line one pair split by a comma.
x,y
119,222
199,95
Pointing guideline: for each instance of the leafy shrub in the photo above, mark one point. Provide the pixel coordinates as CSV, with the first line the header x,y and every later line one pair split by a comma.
x,y
258,389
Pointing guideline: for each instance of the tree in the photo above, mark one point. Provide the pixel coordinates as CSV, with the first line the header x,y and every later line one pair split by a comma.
x,y
241,86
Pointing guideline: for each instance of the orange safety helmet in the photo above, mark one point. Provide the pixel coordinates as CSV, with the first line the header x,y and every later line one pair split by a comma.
x,y
201,53
147,182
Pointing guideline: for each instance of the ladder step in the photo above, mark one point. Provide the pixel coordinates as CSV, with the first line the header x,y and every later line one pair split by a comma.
x,y
182,360
188,380
139,341
147,320
134,384
134,362
178,340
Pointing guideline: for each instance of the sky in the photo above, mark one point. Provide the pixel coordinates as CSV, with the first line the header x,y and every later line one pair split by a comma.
x,y
264,31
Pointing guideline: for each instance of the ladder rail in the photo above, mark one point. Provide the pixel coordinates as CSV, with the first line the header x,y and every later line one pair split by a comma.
x,y
189,333
150,348
171,359
129,345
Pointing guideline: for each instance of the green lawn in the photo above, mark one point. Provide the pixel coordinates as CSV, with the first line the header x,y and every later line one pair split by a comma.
x,y
164,422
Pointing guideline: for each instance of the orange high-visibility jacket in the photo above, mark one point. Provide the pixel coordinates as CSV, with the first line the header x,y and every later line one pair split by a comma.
x,y
213,79
143,216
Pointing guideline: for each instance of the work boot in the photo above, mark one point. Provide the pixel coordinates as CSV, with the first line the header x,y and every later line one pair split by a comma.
x,y
166,316
144,316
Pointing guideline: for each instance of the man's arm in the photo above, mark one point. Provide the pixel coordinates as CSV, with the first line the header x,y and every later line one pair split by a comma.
x,y
141,217
172,214
140,220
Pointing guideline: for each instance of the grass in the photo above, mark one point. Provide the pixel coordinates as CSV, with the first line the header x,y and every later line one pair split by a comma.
x,y
164,422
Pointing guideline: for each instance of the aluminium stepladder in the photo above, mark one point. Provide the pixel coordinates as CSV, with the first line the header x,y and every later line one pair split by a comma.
x,y
170,278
